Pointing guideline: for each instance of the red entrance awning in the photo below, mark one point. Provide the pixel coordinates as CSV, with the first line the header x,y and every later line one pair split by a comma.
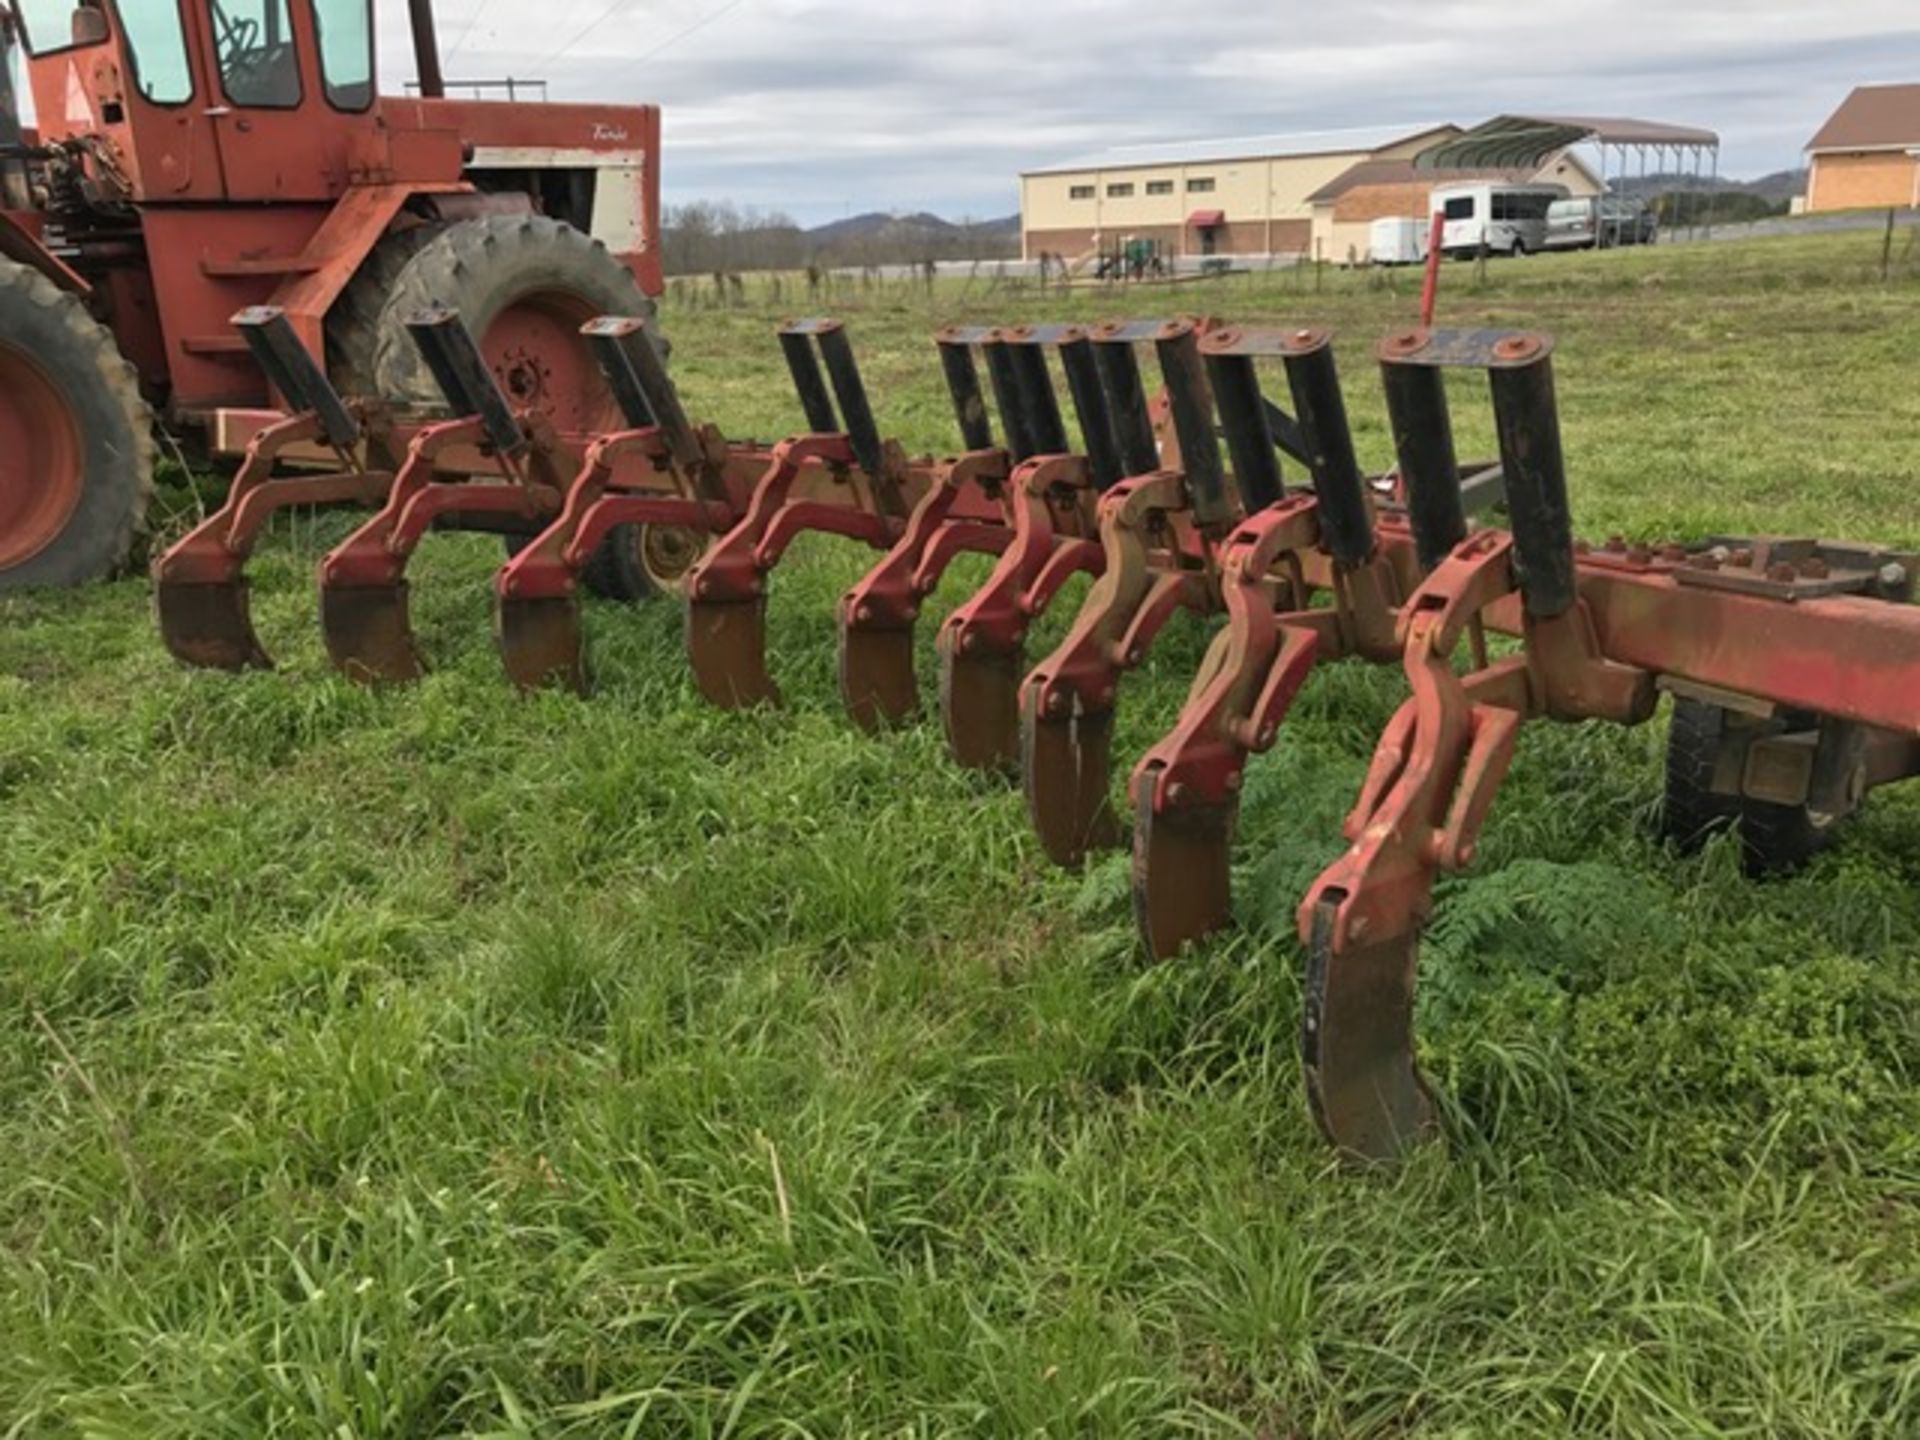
x,y
1207,219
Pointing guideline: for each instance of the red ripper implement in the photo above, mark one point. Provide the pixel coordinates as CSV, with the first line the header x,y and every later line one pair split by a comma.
x,y
1796,635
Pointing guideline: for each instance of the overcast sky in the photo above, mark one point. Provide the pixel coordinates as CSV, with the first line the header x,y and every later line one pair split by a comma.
x,y
829,107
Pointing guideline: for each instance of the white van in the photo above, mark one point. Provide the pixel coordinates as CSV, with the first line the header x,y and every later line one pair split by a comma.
x,y
1507,219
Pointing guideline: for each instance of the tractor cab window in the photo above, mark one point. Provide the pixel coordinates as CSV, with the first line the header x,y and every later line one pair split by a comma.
x,y
156,40
346,51
253,43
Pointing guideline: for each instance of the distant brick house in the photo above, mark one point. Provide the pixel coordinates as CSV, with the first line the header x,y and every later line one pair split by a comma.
x,y
1868,153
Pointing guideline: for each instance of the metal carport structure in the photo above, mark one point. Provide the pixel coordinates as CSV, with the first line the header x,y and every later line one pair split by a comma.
x,y
1528,141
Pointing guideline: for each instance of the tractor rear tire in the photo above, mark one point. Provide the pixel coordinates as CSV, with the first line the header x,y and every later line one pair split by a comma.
x,y
353,324
524,284
1774,838
76,439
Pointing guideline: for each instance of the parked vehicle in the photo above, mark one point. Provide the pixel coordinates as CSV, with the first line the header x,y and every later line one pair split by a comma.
x,y
1397,240
1505,219
1587,221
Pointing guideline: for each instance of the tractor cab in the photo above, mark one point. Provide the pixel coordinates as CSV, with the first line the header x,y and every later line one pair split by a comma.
x,y
200,100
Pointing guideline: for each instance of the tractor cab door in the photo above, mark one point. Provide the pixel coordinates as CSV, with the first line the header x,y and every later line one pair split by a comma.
x,y
291,81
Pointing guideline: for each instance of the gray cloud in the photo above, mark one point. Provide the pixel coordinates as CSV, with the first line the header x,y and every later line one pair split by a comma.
x,y
824,106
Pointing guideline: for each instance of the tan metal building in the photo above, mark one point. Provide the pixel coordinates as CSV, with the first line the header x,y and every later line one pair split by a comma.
x,y
1868,153
1247,196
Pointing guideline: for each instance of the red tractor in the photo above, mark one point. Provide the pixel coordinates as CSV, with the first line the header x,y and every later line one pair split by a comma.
x,y
192,158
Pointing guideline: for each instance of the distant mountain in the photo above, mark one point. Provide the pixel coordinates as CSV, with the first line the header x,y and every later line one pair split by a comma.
x,y
1780,185
878,225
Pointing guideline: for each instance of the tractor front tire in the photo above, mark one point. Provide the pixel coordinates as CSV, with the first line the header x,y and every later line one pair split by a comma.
x,y
76,439
524,285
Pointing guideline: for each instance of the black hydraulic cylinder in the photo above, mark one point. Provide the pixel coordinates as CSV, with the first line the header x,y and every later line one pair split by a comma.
x,y
1528,420
856,413
1423,441
463,379
1006,395
1346,520
426,50
629,393
1192,406
1090,404
808,383
1038,402
1126,398
963,384
1243,419
631,362
292,371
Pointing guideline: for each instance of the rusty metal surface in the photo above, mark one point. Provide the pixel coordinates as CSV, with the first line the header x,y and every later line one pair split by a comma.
x,y
369,633
727,644
209,624
1065,772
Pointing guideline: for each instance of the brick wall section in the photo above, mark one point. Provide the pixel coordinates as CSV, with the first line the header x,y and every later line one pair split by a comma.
x,y
1871,178
1377,202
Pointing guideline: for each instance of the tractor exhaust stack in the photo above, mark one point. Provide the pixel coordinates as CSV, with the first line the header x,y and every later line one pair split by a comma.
x,y
426,50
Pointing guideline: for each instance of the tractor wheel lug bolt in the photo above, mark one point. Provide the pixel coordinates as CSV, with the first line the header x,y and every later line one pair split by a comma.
x,y
969,642
1056,703
863,614
1783,573
1893,576
1176,794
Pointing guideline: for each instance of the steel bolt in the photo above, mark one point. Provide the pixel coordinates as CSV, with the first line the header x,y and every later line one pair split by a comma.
x,y
1616,544
1640,555
1706,560
1176,793
969,642
1057,703
1673,553
1814,568
863,614
1741,558
1893,576
703,586
1783,573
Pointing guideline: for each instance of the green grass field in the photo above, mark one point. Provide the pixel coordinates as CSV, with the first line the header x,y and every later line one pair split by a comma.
x,y
439,1062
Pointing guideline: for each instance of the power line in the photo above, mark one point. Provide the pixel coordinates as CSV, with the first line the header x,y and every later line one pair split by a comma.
x,y
673,39
467,34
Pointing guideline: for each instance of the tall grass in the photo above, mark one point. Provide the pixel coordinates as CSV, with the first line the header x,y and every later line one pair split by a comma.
x,y
432,1061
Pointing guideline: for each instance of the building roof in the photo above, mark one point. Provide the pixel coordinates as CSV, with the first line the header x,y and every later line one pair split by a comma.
x,y
1529,140
1873,117
1359,140
1403,172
